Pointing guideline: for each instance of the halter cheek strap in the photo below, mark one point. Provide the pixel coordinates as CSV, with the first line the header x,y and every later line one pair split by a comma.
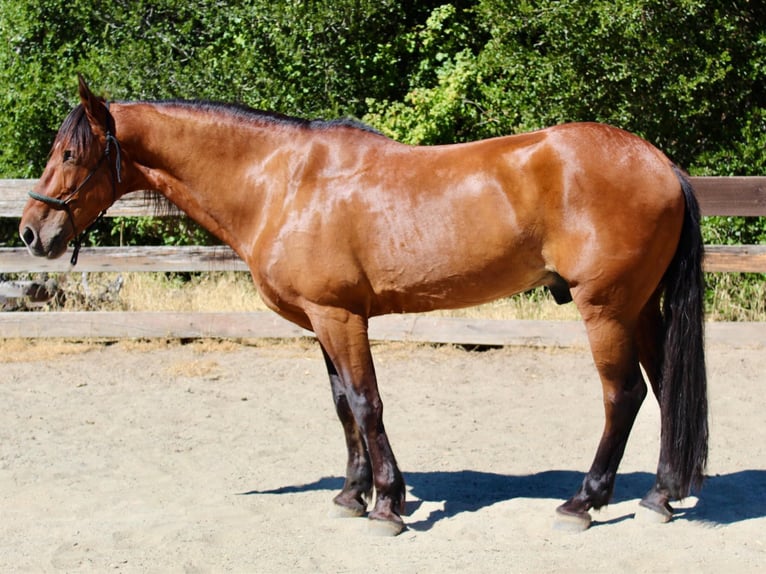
x,y
63,204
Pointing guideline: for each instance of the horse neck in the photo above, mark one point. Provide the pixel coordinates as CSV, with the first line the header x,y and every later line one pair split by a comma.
x,y
202,163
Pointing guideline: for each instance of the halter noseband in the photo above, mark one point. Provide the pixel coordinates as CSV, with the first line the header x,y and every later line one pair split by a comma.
x,y
63,204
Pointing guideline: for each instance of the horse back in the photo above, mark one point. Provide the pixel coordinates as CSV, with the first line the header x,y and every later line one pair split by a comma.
x,y
398,228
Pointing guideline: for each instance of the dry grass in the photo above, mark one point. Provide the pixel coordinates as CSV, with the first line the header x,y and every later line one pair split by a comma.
x,y
730,300
537,305
232,291
21,350
732,297
736,296
227,291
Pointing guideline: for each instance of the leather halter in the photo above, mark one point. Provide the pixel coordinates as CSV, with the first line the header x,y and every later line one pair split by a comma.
x,y
64,204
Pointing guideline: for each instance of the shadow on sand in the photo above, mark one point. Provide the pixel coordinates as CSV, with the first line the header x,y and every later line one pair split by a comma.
x,y
724,499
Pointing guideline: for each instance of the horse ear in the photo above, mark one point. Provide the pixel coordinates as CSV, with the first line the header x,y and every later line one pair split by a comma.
x,y
95,110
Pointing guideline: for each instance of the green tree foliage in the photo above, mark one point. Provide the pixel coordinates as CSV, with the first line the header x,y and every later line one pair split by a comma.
x,y
685,74
439,105
688,75
302,58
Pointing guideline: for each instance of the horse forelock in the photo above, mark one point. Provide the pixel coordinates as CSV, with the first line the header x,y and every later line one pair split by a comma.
x,y
75,133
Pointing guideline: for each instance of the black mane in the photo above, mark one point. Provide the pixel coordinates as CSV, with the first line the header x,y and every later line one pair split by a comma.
x,y
75,133
246,113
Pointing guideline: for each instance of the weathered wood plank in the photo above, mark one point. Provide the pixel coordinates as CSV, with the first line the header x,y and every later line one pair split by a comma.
x,y
13,198
97,324
750,335
263,324
731,195
123,259
739,195
718,258
491,332
735,258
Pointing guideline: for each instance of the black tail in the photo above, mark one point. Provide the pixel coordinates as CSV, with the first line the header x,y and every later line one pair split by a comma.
x,y
683,403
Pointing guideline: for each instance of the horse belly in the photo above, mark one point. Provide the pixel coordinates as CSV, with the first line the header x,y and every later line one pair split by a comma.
x,y
460,244
417,280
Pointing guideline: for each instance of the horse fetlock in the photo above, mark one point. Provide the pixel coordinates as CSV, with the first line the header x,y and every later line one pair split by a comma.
x,y
596,492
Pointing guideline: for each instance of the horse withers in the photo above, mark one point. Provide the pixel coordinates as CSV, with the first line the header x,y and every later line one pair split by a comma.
x,y
338,223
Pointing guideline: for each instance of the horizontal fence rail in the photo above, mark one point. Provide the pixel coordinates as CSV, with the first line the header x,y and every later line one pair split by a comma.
x,y
737,196
161,258
718,258
731,195
267,325
13,198
725,196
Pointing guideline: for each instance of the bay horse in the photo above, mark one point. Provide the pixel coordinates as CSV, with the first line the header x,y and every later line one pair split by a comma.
x,y
338,223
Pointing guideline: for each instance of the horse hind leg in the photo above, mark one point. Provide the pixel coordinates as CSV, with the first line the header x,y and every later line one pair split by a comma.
x,y
650,335
357,488
615,354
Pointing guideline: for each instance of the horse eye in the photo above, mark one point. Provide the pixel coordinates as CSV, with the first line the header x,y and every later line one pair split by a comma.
x,y
68,155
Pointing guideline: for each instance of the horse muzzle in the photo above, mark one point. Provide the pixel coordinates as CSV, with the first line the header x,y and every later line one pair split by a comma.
x,y
48,239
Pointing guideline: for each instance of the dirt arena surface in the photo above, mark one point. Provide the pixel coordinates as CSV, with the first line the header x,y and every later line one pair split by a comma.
x,y
223,457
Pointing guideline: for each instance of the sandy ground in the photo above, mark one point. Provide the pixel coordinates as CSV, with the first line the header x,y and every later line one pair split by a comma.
x,y
223,457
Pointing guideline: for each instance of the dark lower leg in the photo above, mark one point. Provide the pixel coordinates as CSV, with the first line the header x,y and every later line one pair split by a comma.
x,y
664,490
357,488
598,485
624,391
388,480
657,500
650,337
343,336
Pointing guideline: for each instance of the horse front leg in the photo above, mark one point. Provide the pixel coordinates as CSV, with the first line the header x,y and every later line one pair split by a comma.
x,y
616,358
357,489
343,336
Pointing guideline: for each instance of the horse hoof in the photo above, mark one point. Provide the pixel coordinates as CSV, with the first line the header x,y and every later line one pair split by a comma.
x,y
651,514
571,522
341,511
378,527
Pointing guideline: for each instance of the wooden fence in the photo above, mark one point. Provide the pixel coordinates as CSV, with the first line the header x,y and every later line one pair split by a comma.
x,y
739,196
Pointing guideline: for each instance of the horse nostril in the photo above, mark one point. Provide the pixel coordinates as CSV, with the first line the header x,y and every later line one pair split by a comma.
x,y
28,236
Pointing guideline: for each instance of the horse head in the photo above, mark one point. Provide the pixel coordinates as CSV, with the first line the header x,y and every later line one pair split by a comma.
x,y
81,180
